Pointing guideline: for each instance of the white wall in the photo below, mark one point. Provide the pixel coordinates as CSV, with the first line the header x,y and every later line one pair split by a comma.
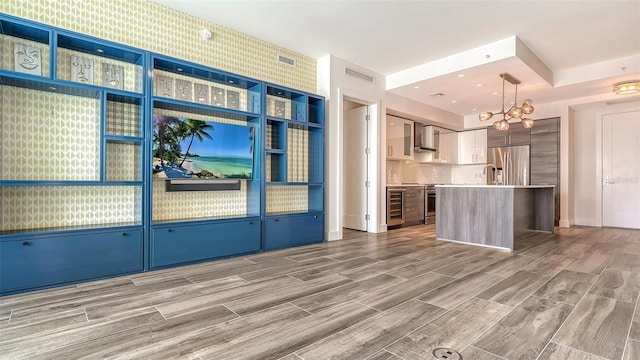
x,y
584,164
335,86
587,155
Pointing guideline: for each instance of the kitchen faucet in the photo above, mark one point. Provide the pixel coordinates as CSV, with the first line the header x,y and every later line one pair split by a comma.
x,y
484,172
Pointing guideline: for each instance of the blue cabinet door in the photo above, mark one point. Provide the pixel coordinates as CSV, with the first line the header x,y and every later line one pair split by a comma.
x,y
188,243
32,262
293,230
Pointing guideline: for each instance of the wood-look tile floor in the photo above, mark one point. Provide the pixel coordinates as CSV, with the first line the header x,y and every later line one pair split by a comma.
x,y
397,295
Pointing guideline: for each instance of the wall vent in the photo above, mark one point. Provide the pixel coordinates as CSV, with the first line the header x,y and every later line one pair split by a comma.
x,y
359,75
286,60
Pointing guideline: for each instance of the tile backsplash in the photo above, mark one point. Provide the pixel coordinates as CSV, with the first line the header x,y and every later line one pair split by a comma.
x,y
410,172
399,172
468,174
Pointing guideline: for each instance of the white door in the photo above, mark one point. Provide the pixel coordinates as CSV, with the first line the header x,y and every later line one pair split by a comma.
x,y
354,201
621,170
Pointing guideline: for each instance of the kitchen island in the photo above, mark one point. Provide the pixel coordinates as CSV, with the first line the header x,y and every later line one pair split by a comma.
x,y
493,215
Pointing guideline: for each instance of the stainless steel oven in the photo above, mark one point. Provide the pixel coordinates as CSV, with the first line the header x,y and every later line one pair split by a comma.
x,y
430,204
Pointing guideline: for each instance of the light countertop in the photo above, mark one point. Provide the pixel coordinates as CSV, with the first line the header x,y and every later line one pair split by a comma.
x,y
499,186
405,185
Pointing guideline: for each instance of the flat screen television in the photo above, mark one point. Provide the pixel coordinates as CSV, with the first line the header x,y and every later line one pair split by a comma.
x,y
194,149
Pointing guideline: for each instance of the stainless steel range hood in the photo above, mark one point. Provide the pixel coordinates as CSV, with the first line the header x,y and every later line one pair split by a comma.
x,y
426,138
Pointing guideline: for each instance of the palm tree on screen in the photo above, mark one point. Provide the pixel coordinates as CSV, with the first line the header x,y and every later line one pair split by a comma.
x,y
196,129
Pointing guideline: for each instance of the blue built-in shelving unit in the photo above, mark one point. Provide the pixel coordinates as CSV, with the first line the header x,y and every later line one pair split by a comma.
x,y
80,200
294,155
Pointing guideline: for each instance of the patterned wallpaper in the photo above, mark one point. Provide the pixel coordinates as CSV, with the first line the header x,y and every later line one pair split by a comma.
x,y
150,26
287,199
32,154
49,136
180,205
297,154
43,207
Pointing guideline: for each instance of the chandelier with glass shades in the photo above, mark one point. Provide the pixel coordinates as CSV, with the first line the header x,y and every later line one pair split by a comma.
x,y
514,112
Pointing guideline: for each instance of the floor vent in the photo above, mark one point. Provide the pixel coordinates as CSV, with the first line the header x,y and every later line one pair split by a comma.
x,y
359,75
446,354
286,60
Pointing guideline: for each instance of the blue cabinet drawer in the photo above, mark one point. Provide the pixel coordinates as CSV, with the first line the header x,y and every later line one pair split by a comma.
x,y
34,262
187,243
293,230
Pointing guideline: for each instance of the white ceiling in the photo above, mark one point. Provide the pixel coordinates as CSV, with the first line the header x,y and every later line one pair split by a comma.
x,y
585,45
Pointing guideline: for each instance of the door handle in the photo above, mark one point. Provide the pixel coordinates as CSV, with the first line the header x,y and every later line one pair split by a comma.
x,y
607,182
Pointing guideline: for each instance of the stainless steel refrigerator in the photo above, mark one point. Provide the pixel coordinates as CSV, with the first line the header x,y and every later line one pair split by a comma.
x,y
512,164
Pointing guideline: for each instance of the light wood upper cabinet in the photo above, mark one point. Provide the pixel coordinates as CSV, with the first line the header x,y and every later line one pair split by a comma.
x,y
516,135
399,139
472,147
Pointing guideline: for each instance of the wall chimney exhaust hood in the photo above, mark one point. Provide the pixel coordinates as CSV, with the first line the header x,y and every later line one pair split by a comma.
x,y
426,138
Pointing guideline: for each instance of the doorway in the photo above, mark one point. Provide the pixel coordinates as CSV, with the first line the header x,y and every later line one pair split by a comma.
x,y
621,170
355,144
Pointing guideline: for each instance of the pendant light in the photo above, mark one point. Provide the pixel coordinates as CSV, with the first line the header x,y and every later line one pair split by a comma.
x,y
514,112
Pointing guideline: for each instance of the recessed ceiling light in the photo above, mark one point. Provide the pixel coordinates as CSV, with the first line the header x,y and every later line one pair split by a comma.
x,y
474,109
416,87
460,75
478,85
494,93
454,101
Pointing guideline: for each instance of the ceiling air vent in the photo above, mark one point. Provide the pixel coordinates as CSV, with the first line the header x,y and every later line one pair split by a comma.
x,y
286,60
359,75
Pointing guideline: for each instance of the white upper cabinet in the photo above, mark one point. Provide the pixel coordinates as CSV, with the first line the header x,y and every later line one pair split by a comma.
x,y
448,148
472,146
399,139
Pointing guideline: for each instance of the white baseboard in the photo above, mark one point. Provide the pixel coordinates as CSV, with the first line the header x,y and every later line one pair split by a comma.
x,y
333,235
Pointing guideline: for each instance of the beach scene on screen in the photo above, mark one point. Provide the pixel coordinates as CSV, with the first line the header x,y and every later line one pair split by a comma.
x,y
194,149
